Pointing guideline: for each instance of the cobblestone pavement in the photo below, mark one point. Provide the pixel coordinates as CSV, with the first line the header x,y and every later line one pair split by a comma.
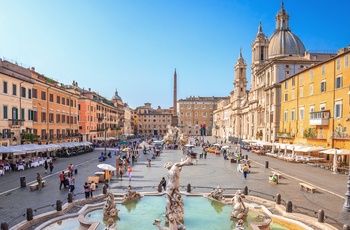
x,y
203,176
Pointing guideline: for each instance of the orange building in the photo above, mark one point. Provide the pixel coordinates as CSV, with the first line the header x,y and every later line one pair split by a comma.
x,y
55,109
99,118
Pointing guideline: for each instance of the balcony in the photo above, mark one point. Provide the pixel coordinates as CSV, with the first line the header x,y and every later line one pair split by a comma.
x,y
15,123
285,135
313,136
320,118
340,136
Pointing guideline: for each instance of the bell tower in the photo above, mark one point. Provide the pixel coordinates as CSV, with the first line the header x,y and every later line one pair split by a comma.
x,y
240,80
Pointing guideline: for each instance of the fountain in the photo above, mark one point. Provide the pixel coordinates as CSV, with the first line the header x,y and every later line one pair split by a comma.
x,y
240,216
217,195
174,203
110,210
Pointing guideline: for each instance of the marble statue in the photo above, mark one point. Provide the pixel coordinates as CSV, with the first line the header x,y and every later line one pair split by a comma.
x,y
238,208
174,136
109,209
110,225
174,201
216,194
131,195
157,222
239,225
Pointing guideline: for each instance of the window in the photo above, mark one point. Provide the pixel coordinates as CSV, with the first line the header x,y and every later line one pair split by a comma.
x,y
43,116
35,93
314,57
14,89
195,106
312,109
293,81
43,95
286,85
23,92
29,93
301,92
293,115
346,61
188,106
323,106
293,94
203,106
30,115
51,97
22,114
58,99
14,113
63,101
323,70
63,117
301,79
286,97
4,84
285,116
339,82
5,115
338,110
338,64
311,75
301,113
311,89
323,86
51,117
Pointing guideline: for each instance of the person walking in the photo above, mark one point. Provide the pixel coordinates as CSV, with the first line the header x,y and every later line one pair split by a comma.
x,y
51,166
86,189
39,179
62,180
121,172
129,172
71,183
163,183
92,188
70,168
245,171
46,166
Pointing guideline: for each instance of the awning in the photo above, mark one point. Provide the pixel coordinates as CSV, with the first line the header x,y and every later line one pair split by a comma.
x,y
306,149
336,151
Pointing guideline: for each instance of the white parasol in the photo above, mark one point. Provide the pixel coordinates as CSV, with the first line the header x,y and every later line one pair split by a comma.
x,y
225,147
106,167
188,145
127,150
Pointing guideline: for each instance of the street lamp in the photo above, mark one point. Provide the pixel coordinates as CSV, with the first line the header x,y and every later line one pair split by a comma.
x,y
346,206
105,124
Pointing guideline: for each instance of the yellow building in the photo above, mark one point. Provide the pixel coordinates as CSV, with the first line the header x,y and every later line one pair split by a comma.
x,y
16,114
315,104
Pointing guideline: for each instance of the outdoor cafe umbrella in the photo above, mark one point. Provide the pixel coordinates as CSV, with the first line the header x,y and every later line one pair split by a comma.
x,y
127,149
106,167
188,145
336,152
225,147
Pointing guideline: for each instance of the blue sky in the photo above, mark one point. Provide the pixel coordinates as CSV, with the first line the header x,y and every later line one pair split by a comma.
x,y
135,45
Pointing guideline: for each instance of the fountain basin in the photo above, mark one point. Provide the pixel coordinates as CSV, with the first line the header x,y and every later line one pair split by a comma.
x,y
200,213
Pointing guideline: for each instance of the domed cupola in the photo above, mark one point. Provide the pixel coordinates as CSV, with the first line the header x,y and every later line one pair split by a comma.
x,y
116,96
283,42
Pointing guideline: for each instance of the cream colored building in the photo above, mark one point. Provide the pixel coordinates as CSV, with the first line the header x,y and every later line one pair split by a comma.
x,y
255,114
153,121
16,110
195,113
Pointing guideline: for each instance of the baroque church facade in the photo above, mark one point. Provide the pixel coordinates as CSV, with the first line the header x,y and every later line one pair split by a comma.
x,y
255,113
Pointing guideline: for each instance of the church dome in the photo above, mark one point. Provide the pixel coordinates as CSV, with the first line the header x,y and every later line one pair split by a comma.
x,y
283,42
116,96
